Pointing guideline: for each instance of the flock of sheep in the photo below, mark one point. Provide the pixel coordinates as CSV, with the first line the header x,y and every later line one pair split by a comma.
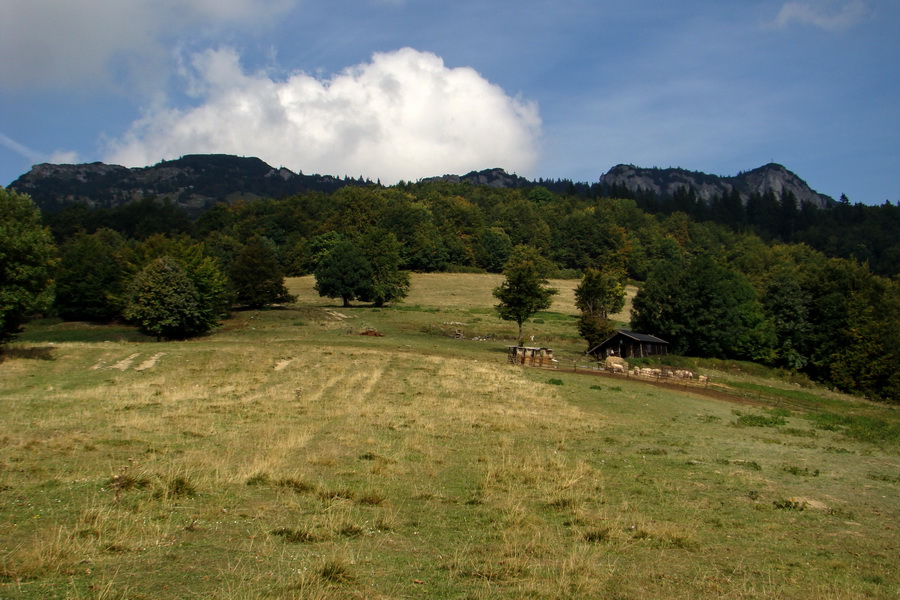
x,y
615,364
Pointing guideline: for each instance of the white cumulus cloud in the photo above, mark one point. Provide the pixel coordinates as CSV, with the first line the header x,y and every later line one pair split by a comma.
x,y
403,115
830,15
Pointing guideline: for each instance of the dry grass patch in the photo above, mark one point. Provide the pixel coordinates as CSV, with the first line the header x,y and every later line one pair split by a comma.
x,y
411,466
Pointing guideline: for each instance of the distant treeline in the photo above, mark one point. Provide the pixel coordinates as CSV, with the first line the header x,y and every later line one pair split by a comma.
x,y
820,284
866,234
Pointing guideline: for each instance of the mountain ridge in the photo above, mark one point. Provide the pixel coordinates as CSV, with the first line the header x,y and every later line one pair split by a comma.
x,y
771,177
196,182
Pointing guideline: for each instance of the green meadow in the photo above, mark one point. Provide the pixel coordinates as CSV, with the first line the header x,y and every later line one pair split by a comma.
x,y
285,455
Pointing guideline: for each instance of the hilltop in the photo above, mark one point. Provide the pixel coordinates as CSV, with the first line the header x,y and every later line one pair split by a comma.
x,y
194,182
665,183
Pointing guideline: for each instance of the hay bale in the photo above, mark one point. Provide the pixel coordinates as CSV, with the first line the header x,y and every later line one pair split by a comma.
x,y
615,360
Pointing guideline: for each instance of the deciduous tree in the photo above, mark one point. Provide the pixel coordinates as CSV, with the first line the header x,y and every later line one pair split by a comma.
x,y
27,255
389,282
524,291
344,273
257,276
164,303
704,309
92,276
599,294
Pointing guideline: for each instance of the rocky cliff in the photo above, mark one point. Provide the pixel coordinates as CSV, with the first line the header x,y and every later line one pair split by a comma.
x,y
495,177
665,182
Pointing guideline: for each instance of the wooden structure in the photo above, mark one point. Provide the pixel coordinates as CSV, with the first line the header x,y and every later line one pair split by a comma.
x,y
532,357
627,344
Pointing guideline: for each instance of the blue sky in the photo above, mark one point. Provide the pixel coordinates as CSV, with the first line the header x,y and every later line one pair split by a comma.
x,y
404,89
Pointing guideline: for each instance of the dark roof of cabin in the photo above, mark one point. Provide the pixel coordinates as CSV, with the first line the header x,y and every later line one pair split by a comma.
x,y
641,337
638,337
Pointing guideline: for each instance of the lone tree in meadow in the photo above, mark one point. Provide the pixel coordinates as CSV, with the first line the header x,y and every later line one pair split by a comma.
x,y
524,292
345,273
163,302
256,275
384,253
27,255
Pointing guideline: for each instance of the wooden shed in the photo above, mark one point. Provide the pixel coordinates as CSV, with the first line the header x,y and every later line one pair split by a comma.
x,y
533,357
628,344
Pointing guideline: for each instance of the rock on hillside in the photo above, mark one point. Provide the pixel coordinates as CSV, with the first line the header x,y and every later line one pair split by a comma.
x,y
495,177
665,182
193,182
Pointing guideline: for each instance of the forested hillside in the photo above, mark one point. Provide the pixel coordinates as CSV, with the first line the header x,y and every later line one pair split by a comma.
x,y
799,287
738,289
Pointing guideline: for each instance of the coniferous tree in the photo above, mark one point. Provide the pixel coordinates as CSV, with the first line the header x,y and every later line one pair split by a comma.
x,y
788,215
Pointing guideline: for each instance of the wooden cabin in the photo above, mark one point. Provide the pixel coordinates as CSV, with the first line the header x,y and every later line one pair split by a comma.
x,y
532,357
627,344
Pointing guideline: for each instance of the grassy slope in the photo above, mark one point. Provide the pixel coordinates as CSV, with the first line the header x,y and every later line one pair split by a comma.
x,y
287,456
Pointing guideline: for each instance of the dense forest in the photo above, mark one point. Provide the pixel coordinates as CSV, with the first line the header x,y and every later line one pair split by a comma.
x,y
806,289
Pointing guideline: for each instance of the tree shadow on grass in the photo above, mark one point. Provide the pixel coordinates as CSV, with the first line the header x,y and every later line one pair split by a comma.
x,y
28,353
50,331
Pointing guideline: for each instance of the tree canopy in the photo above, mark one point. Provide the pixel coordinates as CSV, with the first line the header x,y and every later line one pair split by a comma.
x,y
524,291
164,303
257,276
812,271
27,257
345,273
599,294
703,309
383,251
92,276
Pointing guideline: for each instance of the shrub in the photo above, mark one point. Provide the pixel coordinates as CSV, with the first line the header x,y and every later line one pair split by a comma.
x,y
759,421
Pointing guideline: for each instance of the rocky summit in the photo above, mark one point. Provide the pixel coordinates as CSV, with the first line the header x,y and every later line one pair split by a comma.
x,y
193,182
664,183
